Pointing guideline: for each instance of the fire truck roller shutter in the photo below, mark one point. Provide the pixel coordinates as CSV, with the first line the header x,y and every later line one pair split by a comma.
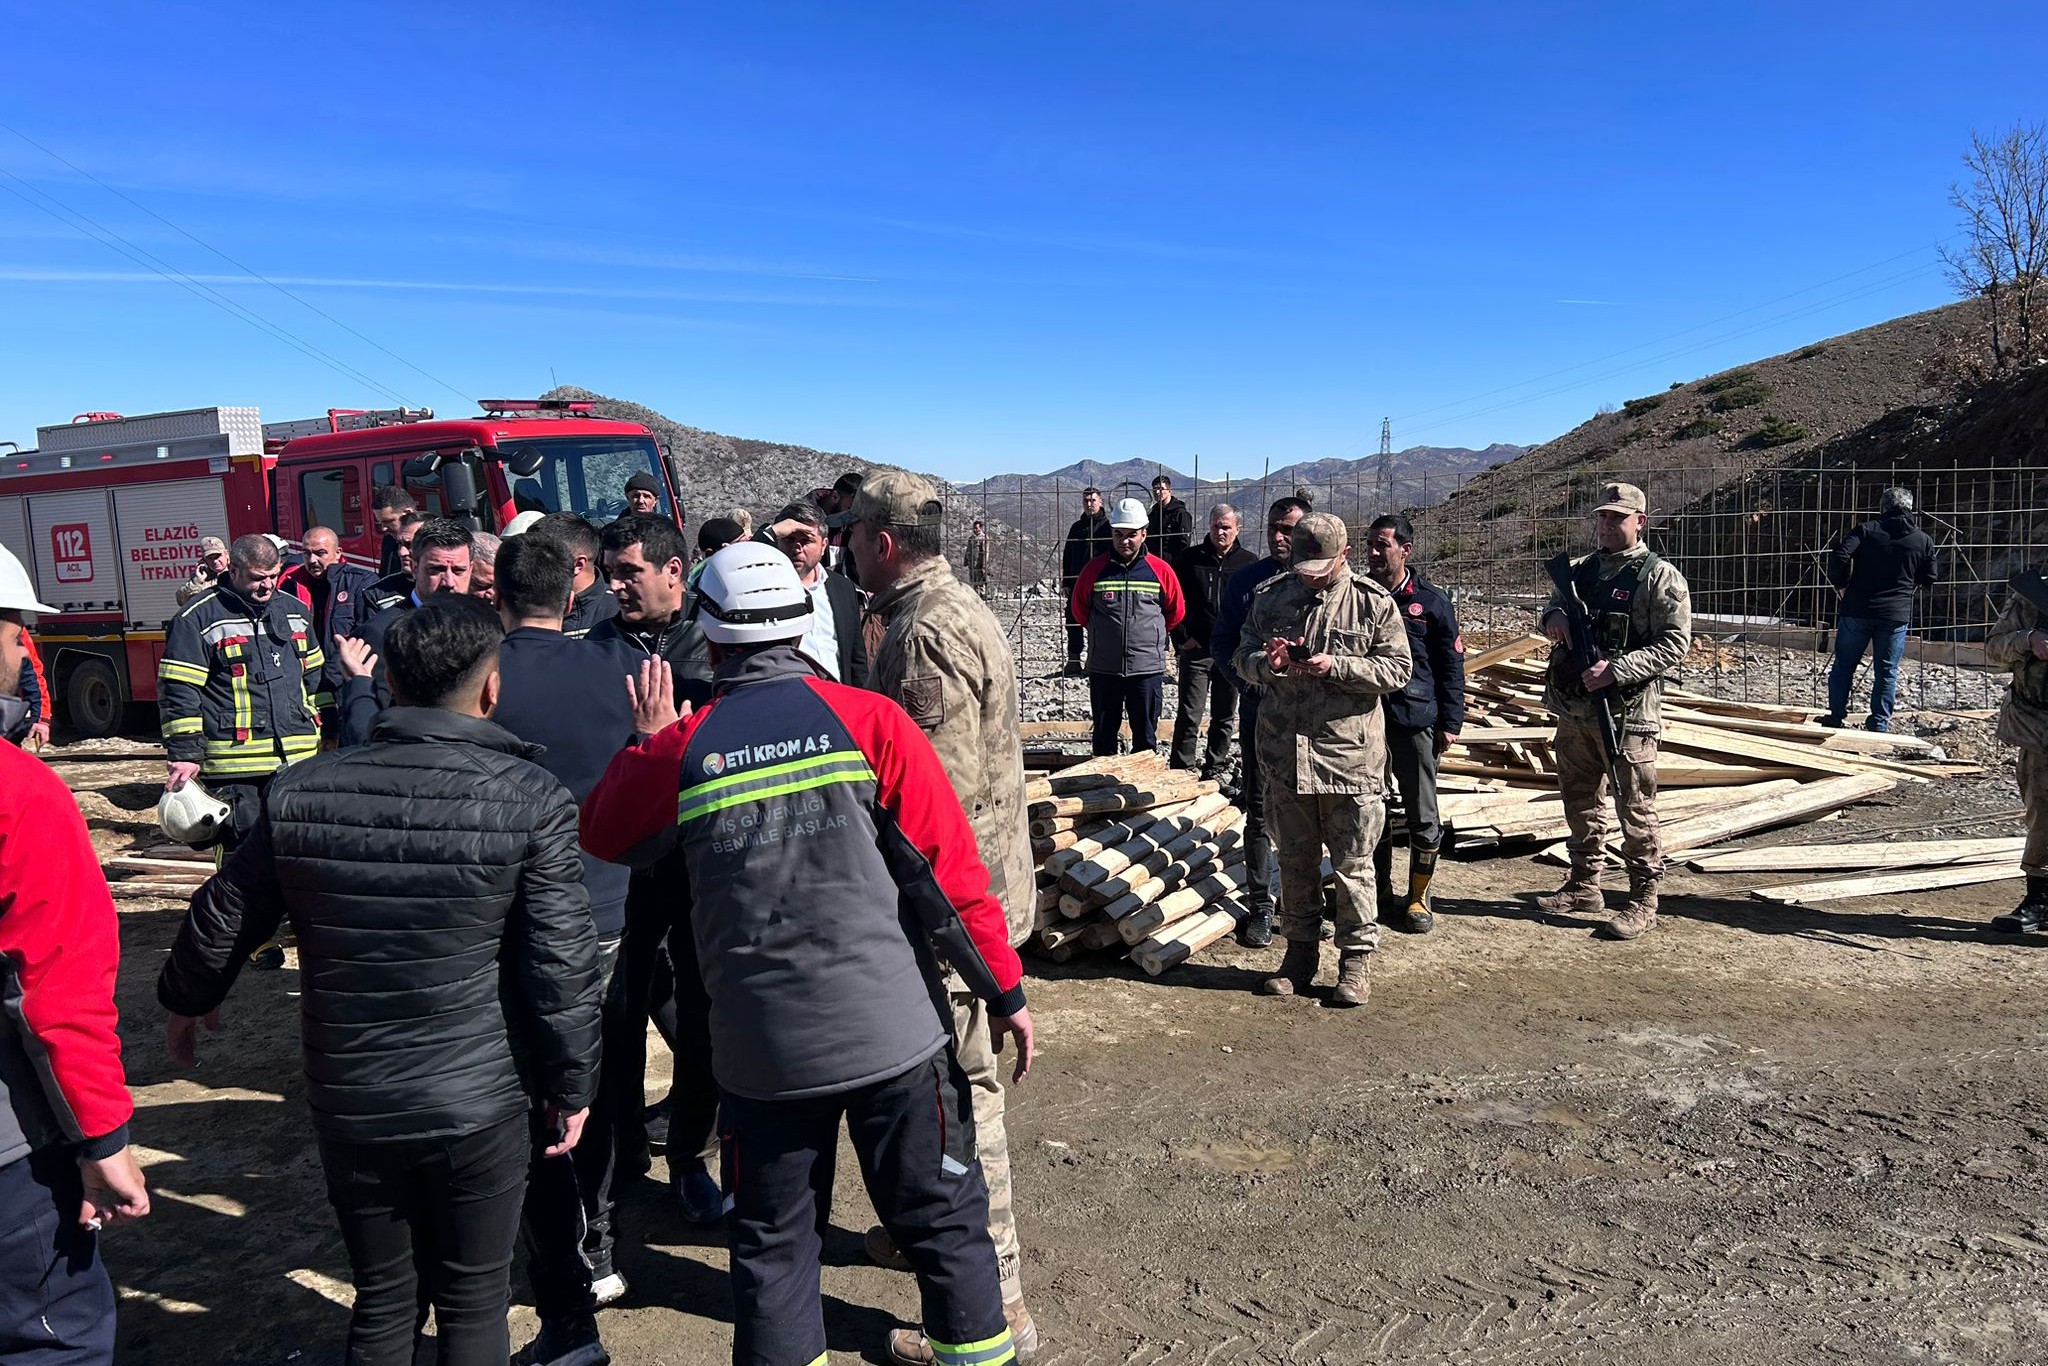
x,y
78,566
160,526
14,534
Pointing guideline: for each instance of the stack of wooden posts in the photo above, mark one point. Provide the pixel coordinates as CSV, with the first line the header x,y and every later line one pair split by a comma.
x,y
1135,857
1883,867
1724,769
157,870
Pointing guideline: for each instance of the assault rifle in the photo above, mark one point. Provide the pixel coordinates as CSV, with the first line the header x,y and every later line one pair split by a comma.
x,y
1585,653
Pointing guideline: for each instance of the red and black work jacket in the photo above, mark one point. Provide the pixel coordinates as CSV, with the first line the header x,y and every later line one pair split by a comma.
x,y
1129,611
830,868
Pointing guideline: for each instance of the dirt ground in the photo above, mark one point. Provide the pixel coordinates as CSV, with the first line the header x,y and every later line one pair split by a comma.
x,y
1760,1134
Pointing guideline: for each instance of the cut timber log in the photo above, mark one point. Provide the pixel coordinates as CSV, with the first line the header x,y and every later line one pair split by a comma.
x,y
1062,932
1174,906
137,888
1202,931
1887,884
1083,875
1502,654
1109,836
1220,830
1046,816
1802,802
192,867
1825,858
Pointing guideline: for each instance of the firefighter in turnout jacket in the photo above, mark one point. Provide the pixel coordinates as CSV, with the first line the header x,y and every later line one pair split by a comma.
x,y
2019,642
1641,614
1423,719
239,686
1326,645
830,869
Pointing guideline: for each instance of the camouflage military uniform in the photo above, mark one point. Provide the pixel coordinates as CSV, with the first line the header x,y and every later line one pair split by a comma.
x,y
944,658
1322,743
2023,720
1651,596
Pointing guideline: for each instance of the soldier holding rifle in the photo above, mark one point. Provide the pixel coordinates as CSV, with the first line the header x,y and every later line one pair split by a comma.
x,y
1620,619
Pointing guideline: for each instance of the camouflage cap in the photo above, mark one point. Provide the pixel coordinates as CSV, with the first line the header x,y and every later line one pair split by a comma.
x,y
1622,498
1319,541
212,545
897,498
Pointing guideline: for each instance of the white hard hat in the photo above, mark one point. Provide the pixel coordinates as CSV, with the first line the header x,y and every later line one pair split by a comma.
x,y
522,524
17,594
749,594
1129,515
192,815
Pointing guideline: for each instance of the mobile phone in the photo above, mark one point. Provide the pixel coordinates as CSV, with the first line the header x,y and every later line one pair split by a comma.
x,y
1298,652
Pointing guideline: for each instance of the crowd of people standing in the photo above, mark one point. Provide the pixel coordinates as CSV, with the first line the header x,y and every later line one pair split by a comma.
x,y
517,796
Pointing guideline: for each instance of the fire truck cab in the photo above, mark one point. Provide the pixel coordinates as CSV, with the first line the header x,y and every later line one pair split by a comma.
x,y
108,511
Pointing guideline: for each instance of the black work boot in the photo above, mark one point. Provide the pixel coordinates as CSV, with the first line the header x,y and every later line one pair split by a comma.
x,y
1297,970
1255,931
1383,878
2031,915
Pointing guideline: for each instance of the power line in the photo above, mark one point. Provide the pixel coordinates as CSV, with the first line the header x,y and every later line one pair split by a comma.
x,y
113,241
246,270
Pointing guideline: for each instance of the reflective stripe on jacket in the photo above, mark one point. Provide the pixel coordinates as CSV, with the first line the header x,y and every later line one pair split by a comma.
x,y
1129,610
239,684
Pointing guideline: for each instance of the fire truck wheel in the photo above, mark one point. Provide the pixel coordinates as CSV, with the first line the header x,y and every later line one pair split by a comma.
x,y
92,698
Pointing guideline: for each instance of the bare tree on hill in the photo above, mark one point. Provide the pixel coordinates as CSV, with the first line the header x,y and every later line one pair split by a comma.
x,y
2003,260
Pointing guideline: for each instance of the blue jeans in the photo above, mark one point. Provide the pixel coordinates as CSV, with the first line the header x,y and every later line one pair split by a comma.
x,y
1886,641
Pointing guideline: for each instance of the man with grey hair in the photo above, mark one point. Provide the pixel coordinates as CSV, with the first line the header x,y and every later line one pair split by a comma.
x,y
1205,569
1875,569
483,566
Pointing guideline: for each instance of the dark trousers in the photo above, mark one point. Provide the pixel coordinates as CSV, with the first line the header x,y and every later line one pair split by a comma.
x,y
56,1304
1413,754
1201,690
444,1209
914,1136
1885,642
1258,845
1114,697
657,974
567,1223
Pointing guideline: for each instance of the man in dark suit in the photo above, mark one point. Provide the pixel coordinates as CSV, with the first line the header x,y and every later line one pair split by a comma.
x,y
834,639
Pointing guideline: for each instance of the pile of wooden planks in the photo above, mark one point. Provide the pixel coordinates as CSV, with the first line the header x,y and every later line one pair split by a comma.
x,y
1884,867
157,870
1724,769
1137,858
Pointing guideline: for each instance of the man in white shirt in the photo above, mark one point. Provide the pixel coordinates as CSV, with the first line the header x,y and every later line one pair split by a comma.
x,y
834,640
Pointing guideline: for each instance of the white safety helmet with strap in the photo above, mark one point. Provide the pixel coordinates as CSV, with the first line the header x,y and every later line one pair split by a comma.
x,y
749,594
17,594
192,815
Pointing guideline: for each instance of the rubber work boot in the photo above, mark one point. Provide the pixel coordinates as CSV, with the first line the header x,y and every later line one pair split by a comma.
x,y
908,1347
1635,918
1580,895
1255,931
1354,979
2031,915
1297,969
1418,917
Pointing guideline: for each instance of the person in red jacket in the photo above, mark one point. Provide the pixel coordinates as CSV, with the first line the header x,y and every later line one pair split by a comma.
x,y
1129,602
66,1169
830,866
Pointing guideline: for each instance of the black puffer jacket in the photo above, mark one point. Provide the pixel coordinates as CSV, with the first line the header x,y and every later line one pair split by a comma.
x,y
445,943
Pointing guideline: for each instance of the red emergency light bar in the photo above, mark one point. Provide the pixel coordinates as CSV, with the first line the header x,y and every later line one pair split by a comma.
x,y
554,407
95,417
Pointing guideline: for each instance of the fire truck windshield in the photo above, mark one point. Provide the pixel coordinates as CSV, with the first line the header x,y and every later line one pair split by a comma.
x,y
585,474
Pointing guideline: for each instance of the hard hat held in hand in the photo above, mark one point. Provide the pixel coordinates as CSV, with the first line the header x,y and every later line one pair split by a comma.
x,y
17,594
192,815
749,594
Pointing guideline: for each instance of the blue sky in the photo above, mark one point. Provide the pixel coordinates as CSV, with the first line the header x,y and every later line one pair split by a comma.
x,y
970,236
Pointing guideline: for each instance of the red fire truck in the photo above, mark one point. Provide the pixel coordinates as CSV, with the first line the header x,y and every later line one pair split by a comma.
x,y
108,511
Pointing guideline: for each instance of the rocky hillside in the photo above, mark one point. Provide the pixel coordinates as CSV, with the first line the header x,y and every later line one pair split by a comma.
x,y
1044,504
1683,443
718,472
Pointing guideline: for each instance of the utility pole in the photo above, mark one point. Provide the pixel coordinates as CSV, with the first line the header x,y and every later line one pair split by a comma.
x,y
1384,467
